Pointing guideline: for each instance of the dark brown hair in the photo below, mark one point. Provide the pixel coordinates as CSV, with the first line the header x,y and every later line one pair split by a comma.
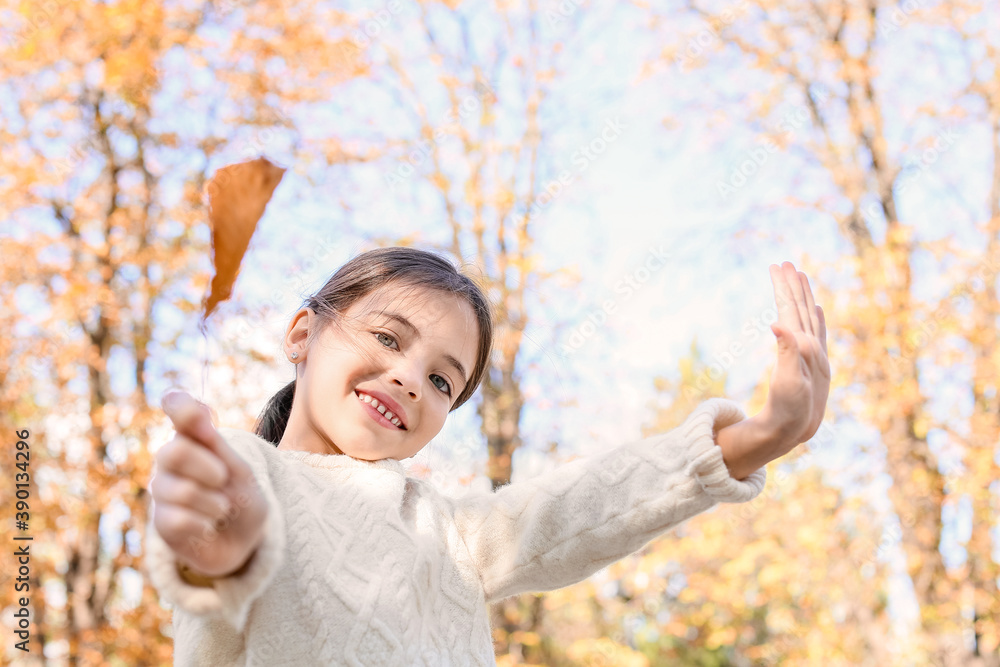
x,y
363,275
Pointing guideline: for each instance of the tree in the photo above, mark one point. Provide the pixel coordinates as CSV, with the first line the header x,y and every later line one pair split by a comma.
x,y
833,59
490,186
107,182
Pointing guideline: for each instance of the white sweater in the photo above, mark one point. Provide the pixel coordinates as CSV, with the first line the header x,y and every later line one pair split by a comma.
x,y
362,565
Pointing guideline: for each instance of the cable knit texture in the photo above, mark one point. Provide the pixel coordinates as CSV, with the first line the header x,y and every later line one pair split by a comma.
x,y
362,565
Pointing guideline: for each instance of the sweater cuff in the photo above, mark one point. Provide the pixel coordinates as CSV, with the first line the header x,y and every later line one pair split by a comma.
x,y
228,598
704,455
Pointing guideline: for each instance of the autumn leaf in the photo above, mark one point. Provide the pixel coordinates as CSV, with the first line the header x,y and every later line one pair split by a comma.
x,y
237,195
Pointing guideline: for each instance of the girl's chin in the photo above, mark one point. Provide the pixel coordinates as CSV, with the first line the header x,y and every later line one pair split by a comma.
x,y
376,454
365,452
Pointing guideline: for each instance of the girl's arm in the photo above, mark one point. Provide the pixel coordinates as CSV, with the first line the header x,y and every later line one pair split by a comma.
x,y
243,550
562,526
558,528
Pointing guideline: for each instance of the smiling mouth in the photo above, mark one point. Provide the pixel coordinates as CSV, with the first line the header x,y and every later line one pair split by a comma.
x,y
379,415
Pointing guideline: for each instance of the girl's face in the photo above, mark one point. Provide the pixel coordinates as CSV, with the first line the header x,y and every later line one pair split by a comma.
x,y
408,348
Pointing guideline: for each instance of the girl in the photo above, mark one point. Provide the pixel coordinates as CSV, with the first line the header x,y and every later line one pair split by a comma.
x,y
305,542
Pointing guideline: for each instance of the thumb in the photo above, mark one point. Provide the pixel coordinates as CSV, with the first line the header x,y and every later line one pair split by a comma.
x,y
786,341
193,419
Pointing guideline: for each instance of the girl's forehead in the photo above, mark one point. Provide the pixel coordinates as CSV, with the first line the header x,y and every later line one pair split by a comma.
x,y
414,300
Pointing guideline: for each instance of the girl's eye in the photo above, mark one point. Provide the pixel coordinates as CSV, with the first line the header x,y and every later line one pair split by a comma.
x,y
379,333
444,386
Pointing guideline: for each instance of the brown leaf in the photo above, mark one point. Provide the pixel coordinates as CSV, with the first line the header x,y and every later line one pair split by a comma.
x,y
237,195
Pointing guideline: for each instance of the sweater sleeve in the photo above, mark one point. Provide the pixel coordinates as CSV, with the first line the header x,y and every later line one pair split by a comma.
x,y
560,527
229,598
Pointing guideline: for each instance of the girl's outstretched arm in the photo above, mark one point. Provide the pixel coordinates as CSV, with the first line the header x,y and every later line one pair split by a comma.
x,y
560,527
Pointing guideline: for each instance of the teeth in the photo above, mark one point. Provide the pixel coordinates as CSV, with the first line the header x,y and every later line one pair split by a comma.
x,y
381,408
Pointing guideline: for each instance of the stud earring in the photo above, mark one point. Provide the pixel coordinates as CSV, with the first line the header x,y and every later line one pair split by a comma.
x,y
295,355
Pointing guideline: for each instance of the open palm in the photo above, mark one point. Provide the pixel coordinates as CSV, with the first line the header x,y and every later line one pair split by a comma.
x,y
800,381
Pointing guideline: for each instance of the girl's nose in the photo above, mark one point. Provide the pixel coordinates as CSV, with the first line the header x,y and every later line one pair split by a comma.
x,y
407,376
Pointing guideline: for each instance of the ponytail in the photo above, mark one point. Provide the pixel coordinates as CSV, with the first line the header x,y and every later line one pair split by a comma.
x,y
274,418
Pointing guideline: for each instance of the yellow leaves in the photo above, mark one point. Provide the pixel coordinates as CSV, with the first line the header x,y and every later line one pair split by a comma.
x,y
473,194
604,652
504,199
525,638
723,636
780,620
810,536
771,575
441,181
237,196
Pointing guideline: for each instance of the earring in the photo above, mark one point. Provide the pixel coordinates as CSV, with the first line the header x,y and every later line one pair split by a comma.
x,y
295,355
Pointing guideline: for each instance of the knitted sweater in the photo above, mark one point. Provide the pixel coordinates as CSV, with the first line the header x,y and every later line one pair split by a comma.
x,y
362,565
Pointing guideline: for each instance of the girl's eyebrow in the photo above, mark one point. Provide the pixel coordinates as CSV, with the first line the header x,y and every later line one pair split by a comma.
x,y
416,334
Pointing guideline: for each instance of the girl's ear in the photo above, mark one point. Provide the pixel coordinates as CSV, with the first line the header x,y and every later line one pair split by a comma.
x,y
297,332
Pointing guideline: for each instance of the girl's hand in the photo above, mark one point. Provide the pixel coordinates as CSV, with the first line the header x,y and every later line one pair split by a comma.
x,y
207,505
800,382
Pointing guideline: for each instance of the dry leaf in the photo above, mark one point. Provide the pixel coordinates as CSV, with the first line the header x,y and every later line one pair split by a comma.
x,y
237,195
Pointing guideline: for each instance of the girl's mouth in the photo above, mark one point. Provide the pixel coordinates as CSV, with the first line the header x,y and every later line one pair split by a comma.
x,y
379,415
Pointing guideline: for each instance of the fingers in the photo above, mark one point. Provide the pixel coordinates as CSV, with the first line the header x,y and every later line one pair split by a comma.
x,y
788,312
185,458
193,419
810,312
821,317
170,490
180,526
798,294
796,306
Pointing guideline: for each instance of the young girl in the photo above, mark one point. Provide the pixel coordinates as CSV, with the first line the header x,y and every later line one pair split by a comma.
x,y
305,542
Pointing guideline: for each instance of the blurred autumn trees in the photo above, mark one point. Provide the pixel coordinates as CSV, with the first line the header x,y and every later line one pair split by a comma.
x,y
113,115
872,132
104,166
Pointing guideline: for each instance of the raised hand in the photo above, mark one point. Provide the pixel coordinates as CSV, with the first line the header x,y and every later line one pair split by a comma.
x,y
206,503
800,381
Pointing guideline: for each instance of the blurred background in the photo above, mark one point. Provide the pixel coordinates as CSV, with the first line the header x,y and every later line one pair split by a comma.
x,y
620,175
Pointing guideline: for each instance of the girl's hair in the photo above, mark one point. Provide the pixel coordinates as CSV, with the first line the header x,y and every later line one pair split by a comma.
x,y
363,275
